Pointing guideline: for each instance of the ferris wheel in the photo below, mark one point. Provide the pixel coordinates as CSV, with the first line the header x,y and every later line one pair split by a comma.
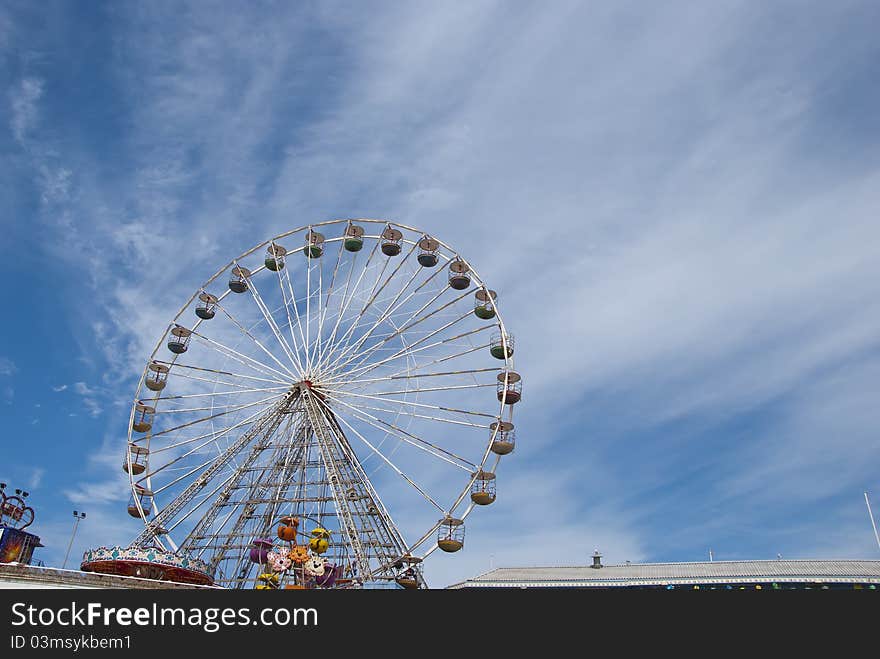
x,y
326,410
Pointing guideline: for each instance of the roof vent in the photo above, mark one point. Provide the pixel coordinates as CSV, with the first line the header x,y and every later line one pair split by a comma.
x,y
597,560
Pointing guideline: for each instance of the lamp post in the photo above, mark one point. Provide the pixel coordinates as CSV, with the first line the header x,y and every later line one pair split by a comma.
x,y
78,516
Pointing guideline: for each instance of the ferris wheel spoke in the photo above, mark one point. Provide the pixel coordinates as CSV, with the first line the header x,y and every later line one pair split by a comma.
x,y
338,364
295,304
427,389
223,393
375,295
393,466
345,304
393,306
189,471
244,360
212,437
343,344
210,408
427,417
297,361
306,346
229,410
406,349
325,303
177,365
399,412
440,360
417,404
256,341
315,346
457,422
329,342
339,357
408,437
270,321
407,326
413,373
410,372
390,277
385,316
410,350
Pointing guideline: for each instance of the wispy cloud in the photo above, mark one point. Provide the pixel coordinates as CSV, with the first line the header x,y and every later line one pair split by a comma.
x,y
23,105
90,397
7,366
36,478
62,387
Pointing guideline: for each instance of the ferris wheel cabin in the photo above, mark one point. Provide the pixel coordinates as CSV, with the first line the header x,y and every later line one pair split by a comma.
x,y
509,387
238,279
484,304
353,240
135,461
142,496
157,376
483,488
501,345
207,306
505,437
314,244
178,342
428,247
391,241
450,534
459,279
143,417
274,260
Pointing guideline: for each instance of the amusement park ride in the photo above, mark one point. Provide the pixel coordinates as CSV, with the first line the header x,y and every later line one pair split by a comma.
x,y
312,385
16,544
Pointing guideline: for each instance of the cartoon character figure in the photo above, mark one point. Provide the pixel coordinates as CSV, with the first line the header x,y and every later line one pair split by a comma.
x,y
279,559
287,528
299,554
320,540
314,566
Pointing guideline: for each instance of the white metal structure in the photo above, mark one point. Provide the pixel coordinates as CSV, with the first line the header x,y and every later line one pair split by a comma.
x,y
333,374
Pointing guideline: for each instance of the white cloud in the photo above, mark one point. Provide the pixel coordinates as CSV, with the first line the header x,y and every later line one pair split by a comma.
x,y
36,478
83,389
59,388
7,366
23,105
91,398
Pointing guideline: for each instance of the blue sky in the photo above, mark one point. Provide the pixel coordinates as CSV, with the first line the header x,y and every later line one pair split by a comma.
x,y
677,203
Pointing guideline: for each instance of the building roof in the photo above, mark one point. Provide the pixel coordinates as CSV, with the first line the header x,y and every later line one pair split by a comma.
x,y
646,574
18,575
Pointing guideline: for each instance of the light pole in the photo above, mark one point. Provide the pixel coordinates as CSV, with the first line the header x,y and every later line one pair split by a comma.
x,y
78,516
